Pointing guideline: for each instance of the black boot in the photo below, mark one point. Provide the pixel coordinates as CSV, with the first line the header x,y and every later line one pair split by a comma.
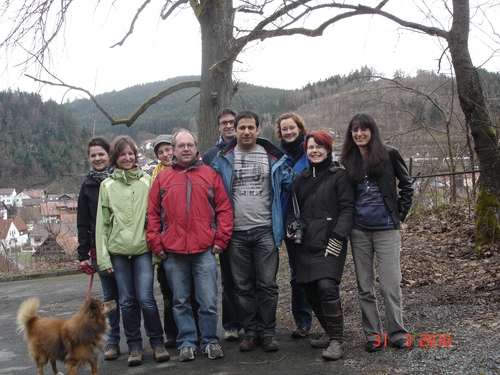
x,y
332,311
324,341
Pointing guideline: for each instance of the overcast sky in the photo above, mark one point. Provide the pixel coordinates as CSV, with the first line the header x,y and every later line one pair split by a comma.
x,y
163,49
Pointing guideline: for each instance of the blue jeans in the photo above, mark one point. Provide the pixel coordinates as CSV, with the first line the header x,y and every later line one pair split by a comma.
x,y
229,310
254,263
110,293
202,268
302,313
169,325
134,277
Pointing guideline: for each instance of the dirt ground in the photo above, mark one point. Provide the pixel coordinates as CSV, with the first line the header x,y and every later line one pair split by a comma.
x,y
451,302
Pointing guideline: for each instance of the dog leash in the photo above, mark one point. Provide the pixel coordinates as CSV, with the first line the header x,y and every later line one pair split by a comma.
x,y
90,286
89,270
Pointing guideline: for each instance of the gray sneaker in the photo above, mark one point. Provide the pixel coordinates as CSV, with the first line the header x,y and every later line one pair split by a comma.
x,y
213,351
232,334
187,354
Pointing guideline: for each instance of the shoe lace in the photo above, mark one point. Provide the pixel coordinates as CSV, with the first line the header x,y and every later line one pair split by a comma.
x,y
212,347
135,353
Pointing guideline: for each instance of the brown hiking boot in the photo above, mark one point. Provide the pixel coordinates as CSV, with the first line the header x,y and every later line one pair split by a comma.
x,y
111,352
135,358
270,344
249,343
161,354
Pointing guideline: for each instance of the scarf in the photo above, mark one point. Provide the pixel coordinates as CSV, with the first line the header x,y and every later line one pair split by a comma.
x,y
159,167
221,143
100,176
294,148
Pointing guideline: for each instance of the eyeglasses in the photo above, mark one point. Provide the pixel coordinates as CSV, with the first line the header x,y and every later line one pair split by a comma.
x,y
182,147
225,123
317,147
361,128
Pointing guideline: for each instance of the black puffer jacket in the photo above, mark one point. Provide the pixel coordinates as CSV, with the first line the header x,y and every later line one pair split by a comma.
x,y
86,216
327,211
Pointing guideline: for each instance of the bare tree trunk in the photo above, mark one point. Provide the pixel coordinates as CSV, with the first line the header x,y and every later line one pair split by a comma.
x,y
216,92
472,101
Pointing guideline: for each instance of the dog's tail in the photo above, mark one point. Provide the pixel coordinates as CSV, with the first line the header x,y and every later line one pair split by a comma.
x,y
27,311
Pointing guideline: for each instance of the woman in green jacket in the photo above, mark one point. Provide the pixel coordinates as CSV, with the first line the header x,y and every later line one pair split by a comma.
x,y
122,248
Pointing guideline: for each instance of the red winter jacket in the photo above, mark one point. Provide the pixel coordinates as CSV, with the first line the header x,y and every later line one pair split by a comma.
x,y
188,210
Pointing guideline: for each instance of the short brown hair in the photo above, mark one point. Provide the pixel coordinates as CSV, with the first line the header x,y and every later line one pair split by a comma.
x,y
117,146
98,141
295,117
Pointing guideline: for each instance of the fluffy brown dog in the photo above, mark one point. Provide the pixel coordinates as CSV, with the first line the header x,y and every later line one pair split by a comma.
x,y
74,341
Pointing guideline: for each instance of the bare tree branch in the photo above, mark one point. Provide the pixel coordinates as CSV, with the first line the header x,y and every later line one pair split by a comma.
x,y
164,14
260,33
142,108
43,20
132,24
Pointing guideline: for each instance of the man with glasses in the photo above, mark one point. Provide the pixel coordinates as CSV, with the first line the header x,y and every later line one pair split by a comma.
x,y
254,172
230,323
163,149
189,221
225,122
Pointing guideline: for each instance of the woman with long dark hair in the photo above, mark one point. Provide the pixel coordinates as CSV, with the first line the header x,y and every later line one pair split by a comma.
x,y
290,131
326,203
381,206
97,149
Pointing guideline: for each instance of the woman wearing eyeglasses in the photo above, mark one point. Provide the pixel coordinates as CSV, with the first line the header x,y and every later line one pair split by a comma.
x,y
381,207
290,131
326,201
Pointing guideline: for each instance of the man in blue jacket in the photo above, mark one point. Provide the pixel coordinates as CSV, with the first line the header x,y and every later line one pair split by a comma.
x,y
254,173
230,323
225,122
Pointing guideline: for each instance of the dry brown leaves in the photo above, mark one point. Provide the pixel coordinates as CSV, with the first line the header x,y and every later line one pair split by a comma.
x,y
438,248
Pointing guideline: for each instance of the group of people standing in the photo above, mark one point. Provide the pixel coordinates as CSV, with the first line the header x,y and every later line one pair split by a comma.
x,y
240,201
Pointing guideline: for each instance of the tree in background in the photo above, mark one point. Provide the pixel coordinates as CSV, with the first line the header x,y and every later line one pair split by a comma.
x,y
223,39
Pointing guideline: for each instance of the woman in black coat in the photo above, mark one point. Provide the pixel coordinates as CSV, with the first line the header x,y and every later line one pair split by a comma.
x,y
326,201
98,152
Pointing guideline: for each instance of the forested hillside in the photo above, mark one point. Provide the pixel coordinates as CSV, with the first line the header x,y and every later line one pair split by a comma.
x,y
179,110
40,143
420,114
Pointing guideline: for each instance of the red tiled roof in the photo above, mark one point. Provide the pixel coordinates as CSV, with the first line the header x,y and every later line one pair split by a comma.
x,y
4,227
35,193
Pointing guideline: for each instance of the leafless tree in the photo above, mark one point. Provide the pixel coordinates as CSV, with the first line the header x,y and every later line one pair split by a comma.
x,y
223,40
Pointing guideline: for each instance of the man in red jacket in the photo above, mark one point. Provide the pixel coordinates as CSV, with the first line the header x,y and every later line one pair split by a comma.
x,y
190,219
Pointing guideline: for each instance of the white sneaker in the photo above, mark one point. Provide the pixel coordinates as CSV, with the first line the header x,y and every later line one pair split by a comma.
x,y
231,335
213,351
187,354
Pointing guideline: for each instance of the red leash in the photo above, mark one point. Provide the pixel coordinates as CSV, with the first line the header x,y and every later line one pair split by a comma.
x,y
90,286
89,270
